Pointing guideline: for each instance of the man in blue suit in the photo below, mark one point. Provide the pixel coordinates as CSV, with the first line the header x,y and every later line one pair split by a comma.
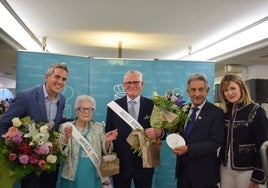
x,y
197,161
43,103
131,167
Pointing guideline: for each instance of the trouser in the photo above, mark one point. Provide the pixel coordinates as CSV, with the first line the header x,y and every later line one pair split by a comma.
x,y
234,178
45,180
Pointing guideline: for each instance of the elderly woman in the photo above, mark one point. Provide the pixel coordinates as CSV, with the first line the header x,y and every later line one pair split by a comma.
x,y
78,171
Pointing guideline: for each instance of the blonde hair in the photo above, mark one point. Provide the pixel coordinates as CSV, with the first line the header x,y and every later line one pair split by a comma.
x,y
225,81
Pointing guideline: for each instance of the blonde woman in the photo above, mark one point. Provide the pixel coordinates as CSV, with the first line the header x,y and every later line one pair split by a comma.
x,y
245,131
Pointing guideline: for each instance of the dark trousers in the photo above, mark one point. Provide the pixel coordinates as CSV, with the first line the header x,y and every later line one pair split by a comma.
x,y
45,180
139,182
183,180
187,184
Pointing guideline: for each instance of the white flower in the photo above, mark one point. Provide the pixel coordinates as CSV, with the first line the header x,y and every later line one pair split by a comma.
x,y
51,158
155,93
44,129
186,107
32,130
37,137
43,139
16,122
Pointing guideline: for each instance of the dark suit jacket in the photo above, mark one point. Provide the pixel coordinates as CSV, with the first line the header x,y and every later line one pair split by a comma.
x,y
31,102
204,140
129,163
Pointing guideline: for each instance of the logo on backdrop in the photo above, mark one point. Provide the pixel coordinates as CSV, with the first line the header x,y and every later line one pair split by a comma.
x,y
119,91
180,90
68,92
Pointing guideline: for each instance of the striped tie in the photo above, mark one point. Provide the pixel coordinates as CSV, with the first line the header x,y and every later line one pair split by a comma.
x,y
131,109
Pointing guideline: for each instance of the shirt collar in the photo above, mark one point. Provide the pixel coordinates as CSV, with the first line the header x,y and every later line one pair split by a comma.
x,y
200,106
46,95
137,99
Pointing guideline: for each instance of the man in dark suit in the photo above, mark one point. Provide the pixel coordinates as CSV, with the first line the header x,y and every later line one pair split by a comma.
x,y
197,161
43,103
131,164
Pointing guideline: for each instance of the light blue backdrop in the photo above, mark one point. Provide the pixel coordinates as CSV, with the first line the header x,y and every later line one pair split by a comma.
x,y
102,78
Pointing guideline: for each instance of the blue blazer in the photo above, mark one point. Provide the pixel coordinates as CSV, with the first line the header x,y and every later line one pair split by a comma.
x,y
201,160
129,163
31,102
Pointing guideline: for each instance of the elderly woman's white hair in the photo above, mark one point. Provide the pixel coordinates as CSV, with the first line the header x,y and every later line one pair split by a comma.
x,y
83,98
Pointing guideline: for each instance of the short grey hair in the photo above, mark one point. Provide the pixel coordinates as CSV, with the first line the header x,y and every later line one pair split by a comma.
x,y
83,98
133,72
52,67
197,76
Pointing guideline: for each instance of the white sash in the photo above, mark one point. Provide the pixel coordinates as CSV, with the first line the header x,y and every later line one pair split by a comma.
x,y
90,153
133,123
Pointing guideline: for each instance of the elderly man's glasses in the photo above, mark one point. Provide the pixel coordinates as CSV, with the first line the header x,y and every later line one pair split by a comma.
x,y
135,83
84,109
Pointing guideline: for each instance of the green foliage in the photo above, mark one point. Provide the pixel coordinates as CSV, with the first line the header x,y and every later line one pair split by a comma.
x,y
169,112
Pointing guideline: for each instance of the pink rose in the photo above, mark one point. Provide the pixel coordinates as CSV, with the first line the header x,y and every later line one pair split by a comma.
x,y
12,156
42,150
41,163
33,159
17,137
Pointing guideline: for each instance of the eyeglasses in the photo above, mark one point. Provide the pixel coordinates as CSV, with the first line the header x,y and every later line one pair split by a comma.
x,y
135,83
84,109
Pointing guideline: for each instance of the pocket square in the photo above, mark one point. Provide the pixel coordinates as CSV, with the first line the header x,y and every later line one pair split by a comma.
x,y
147,117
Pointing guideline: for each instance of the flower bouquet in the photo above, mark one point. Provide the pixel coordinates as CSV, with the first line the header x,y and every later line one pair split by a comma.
x,y
27,148
169,112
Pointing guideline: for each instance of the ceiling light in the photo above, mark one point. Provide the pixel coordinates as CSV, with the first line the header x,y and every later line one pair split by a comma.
x,y
241,38
12,25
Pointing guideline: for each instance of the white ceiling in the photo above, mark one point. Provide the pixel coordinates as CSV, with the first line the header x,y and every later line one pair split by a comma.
x,y
152,28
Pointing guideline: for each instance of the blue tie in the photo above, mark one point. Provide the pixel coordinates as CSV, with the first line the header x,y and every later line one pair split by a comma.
x,y
190,123
131,109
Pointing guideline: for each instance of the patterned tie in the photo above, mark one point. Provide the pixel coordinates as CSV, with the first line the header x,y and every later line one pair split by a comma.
x,y
131,110
190,123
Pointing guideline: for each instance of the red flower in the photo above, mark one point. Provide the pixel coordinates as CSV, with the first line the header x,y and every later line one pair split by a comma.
x,y
24,148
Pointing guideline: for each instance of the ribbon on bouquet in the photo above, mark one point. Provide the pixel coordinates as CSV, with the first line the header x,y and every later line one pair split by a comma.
x,y
133,123
91,153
